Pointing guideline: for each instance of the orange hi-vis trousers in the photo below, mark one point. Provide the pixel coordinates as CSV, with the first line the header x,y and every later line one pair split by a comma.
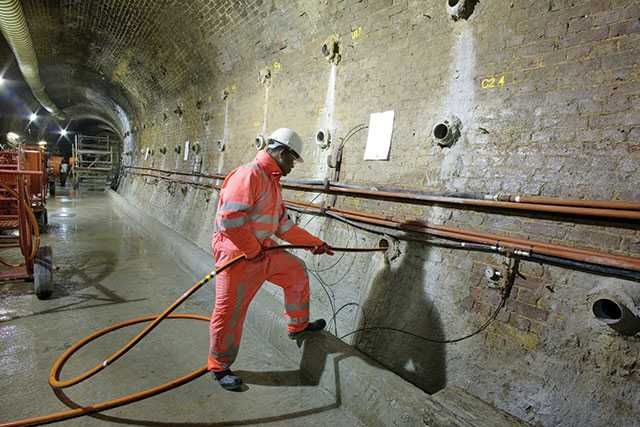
x,y
235,289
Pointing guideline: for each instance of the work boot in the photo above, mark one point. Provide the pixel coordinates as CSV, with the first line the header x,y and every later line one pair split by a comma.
x,y
227,379
315,326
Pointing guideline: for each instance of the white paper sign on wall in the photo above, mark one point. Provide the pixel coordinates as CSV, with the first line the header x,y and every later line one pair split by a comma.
x,y
146,153
186,150
379,138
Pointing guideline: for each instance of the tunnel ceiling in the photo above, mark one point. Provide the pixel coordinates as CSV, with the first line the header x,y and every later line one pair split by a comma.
x,y
102,55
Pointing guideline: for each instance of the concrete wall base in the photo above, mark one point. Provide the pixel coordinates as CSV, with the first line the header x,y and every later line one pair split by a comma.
x,y
362,386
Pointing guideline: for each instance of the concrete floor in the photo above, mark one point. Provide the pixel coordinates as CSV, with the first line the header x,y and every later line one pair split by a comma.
x,y
107,272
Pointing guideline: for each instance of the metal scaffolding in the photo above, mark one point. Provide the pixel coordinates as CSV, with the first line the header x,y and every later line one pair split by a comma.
x,y
94,162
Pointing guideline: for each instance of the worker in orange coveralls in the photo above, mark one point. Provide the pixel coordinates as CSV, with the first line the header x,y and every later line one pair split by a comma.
x,y
250,211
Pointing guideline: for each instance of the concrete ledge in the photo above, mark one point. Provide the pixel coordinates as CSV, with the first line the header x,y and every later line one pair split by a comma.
x,y
372,393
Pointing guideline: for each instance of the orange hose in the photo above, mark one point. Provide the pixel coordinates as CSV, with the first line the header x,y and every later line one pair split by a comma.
x,y
34,228
54,375
113,403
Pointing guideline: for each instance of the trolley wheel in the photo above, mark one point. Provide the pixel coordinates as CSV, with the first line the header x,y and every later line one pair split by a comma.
x,y
43,273
43,220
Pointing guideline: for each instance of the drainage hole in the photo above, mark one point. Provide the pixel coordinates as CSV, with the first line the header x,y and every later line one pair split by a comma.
x,y
607,310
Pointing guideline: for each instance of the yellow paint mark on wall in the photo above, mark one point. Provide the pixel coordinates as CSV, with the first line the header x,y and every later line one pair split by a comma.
x,y
276,65
356,33
493,82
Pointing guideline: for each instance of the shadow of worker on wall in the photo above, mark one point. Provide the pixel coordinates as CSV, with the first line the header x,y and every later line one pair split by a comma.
x,y
397,297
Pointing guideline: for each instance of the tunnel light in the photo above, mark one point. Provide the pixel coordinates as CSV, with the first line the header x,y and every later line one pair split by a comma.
x,y
63,132
33,117
13,137
2,80
42,143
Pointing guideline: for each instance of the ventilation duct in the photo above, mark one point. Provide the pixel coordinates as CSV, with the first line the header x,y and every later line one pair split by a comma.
x,y
14,28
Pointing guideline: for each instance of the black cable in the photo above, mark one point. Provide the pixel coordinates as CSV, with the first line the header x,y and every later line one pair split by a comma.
x,y
432,340
506,292
331,302
334,318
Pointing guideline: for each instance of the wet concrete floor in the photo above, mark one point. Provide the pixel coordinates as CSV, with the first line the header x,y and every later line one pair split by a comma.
x,y
107,272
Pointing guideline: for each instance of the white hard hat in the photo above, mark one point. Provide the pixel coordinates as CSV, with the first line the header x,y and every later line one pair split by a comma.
x,y
288,137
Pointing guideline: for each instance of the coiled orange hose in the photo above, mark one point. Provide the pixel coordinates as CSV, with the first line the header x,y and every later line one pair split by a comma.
x,y
54,375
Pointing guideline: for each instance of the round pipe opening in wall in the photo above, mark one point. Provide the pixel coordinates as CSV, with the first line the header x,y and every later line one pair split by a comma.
x,y
440,131
607,310
447,132
331,49
383,244
461,9
325,50
617,306
220,145
260,142
323,138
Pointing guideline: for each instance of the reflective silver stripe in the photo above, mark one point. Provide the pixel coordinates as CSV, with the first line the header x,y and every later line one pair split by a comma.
x,y
232,350
231,353
298,320
238,307
234,207
227,223
285,226
263,234
296,307
266,219
262,200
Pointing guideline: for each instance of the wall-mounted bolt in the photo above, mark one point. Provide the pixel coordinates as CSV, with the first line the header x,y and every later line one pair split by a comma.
x,y
220,145
260,142
195,147
177,149
163,150
225,93
492,274
447,132
331,49
323,138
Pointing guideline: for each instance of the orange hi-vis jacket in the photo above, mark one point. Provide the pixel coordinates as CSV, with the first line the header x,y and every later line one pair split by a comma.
x,y
251,211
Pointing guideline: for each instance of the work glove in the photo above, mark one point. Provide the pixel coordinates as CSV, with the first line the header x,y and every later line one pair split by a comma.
x,y
322,249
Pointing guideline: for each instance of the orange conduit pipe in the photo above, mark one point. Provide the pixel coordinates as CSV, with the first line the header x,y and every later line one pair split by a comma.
x,y
567,252
590,208
54,375
603,204
456,201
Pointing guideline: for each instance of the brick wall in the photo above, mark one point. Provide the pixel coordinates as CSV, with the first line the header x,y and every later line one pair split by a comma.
x,y
548,93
